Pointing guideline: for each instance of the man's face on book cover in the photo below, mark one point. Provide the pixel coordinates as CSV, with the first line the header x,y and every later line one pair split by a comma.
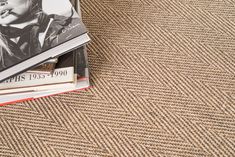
x,y
13,10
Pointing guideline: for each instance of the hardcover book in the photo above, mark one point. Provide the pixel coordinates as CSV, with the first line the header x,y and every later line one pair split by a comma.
x,y
64,73
33,31
82,80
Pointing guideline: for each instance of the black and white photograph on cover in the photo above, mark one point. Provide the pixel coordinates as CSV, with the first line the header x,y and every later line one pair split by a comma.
x,y
28,27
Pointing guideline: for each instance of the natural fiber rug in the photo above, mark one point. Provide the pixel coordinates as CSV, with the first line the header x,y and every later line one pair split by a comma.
x,y
163,74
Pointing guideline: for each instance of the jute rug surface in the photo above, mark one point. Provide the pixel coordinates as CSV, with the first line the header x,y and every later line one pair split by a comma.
x,y
163,75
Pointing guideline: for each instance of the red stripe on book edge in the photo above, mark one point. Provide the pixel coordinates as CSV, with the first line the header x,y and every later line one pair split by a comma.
x,y
29,99
83,78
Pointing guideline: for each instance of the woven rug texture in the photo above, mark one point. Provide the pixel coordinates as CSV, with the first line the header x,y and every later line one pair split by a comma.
x,y
163,76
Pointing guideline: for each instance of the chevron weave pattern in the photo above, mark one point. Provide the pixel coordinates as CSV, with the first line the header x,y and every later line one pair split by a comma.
x,y
163,73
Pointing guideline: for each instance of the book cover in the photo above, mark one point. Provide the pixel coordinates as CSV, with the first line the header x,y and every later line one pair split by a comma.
x,y
33,31
49,66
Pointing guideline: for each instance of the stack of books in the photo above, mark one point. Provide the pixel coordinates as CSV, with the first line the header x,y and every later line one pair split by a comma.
x,y
42,49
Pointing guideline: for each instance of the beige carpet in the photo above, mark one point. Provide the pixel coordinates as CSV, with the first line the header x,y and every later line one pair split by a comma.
x,y
163,73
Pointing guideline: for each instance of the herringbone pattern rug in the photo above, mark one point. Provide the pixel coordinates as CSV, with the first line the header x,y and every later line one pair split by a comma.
x,y
163,73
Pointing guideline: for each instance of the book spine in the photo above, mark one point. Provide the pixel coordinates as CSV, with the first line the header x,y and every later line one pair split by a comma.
x,y
36,79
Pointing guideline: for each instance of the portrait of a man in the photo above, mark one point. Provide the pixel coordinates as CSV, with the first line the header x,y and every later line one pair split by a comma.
x,y
26,30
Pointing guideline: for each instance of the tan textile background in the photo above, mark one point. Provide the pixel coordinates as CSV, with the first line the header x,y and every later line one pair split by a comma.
x,y
163,73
